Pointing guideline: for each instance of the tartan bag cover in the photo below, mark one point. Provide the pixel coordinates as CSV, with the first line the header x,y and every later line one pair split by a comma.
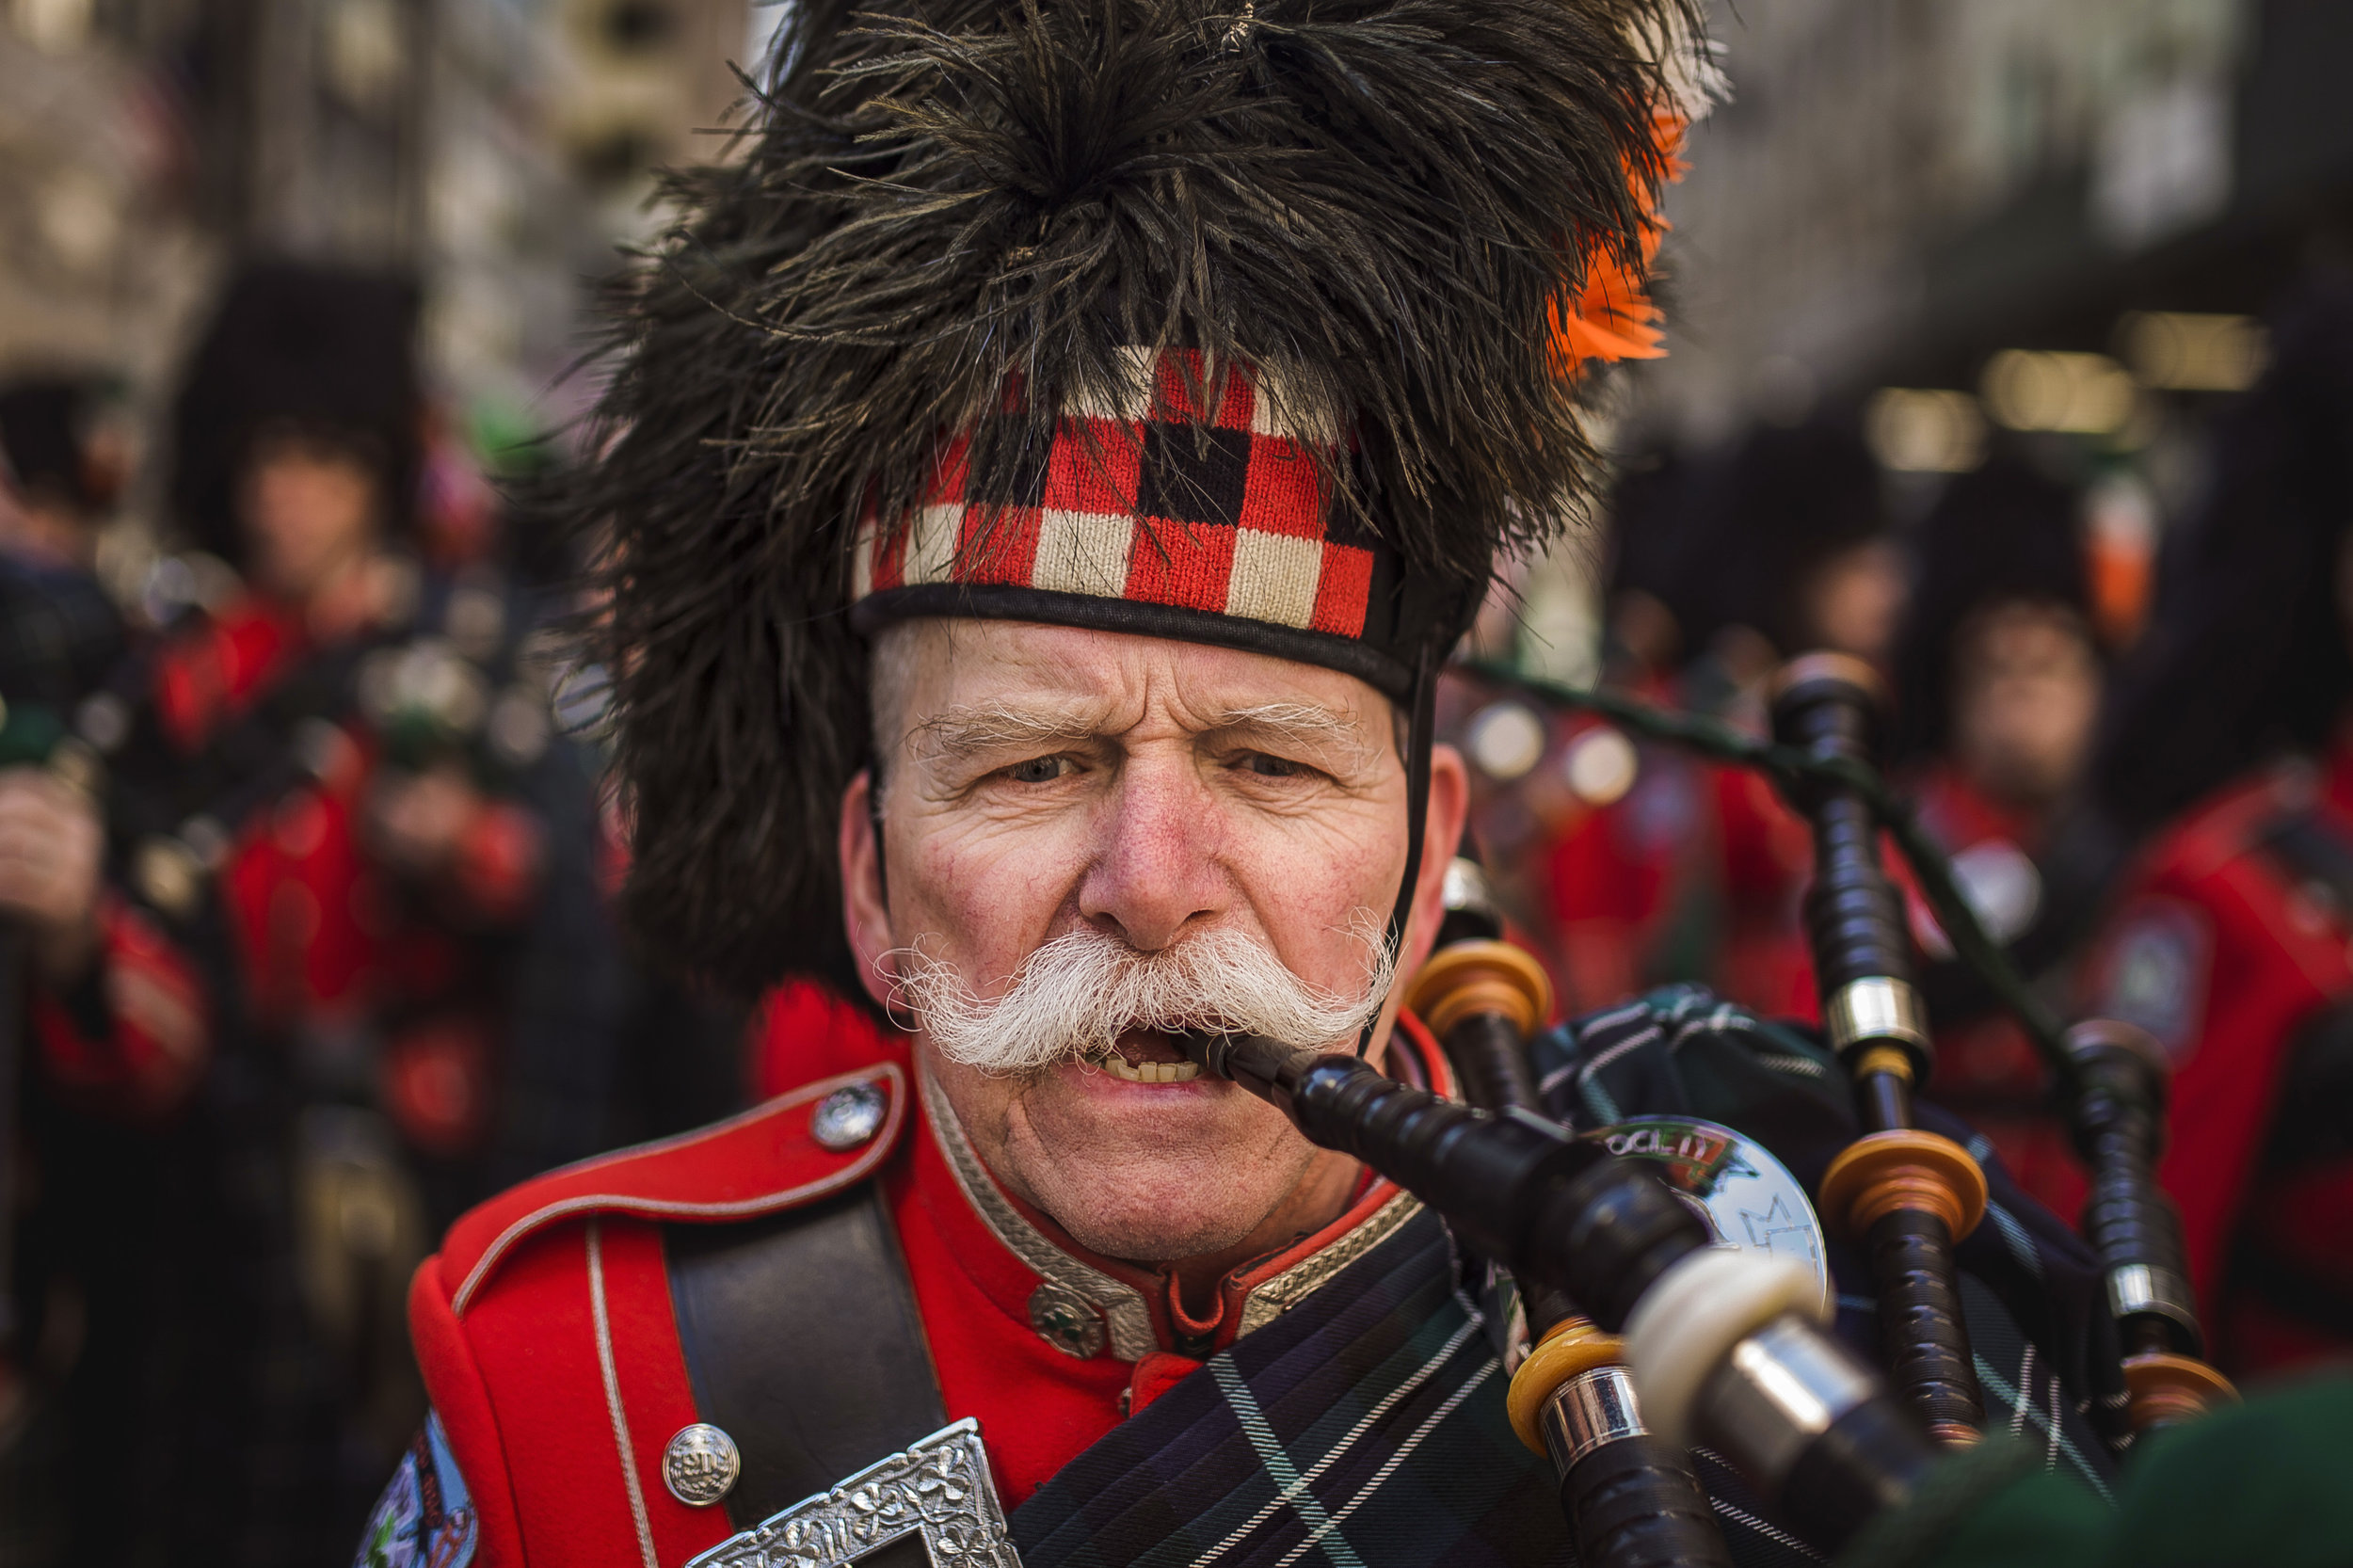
x,y
1194,503
1364,1428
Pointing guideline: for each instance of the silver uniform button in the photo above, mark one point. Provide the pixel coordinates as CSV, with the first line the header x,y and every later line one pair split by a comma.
x,y
847,1117
700,1465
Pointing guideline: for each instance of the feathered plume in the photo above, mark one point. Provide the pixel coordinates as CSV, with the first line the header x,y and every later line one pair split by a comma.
x,y
1396,201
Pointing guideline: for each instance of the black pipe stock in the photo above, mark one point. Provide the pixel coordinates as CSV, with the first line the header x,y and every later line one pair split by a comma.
x,y
1565,1213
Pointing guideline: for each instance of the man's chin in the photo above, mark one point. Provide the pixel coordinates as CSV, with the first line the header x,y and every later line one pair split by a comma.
x,y
1161,1236
1151,1172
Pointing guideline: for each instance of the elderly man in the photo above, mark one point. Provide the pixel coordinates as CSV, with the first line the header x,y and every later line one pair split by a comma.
x,y
1044,474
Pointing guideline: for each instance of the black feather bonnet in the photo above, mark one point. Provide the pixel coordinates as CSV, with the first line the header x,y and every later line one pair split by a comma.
x,y
953,221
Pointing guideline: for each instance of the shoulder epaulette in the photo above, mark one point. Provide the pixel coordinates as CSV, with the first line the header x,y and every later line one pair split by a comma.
x,y
764,1161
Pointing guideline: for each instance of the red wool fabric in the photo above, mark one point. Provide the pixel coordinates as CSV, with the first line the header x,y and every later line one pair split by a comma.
x,y
504,1318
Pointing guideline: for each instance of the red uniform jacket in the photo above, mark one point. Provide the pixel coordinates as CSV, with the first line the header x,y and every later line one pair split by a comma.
x,y
321,931
1986,1068
2229,947
547,1337
1695,873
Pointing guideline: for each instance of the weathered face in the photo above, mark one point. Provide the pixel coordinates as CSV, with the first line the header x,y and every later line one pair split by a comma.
x,y
1142,794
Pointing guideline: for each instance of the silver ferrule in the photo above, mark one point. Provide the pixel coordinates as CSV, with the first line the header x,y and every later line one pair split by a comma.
x,y
1591,1409
1780,1388
2138,1288
1877,1007
1466,888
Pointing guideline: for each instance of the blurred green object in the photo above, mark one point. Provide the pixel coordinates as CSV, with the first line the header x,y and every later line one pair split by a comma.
x,y
504,438
28,733
2267,1483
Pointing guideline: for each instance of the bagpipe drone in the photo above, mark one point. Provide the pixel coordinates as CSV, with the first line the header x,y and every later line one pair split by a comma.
x,y
1643,1337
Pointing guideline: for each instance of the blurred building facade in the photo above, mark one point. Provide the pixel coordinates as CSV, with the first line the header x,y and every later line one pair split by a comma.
x,y
497,149
1900,190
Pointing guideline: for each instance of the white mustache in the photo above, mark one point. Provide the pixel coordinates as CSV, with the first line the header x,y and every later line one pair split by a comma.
x,y
1076,995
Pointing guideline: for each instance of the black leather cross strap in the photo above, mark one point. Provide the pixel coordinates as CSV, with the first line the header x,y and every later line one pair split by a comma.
x,y
804,1345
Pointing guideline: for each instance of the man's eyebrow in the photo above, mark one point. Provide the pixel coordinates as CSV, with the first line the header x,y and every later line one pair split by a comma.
x,y
969,731
994,726
1300,722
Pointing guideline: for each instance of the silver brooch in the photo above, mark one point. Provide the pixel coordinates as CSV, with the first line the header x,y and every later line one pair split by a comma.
x,y
849,1116
700,1465
938,1490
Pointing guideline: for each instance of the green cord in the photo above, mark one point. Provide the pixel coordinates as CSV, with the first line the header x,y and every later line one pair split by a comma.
x,y
1787,767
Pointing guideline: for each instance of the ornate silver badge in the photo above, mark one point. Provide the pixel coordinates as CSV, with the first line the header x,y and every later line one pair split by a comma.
x,y
1748,1198
700,1465
939,1488
1067,1320
849,1116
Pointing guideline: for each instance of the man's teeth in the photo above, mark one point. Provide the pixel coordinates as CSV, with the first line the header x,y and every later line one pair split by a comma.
x,y
1152,1072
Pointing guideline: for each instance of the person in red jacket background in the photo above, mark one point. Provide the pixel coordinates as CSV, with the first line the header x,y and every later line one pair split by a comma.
x,y
1722,567
2233,941
1999,675
342,871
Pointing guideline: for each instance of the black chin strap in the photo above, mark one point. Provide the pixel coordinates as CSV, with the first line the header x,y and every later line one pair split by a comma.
x,y
1420,736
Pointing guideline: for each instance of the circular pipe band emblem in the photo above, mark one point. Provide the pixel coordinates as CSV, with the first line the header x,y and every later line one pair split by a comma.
x,y
1748,1199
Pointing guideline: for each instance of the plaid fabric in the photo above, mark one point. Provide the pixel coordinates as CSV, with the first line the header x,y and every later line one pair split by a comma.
x,y
1214,502
1364,1428
2030,1289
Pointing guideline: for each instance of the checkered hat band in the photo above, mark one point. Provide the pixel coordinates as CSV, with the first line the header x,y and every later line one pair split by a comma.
x,y
1153,500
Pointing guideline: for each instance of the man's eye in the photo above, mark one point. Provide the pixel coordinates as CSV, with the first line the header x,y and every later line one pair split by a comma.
x,y
1274,767
1038,770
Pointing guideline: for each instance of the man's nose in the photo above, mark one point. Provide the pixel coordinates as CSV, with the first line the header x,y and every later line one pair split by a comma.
x,y
1157,866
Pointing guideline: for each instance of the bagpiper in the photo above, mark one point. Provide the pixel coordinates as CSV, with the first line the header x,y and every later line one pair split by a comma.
x,y
2228,941
1999,671
1043,474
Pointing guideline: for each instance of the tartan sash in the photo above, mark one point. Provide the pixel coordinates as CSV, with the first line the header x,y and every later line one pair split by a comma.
x,y
1364,1428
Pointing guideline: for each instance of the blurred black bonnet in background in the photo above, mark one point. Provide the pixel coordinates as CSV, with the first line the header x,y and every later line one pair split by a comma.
x,y
2247,655
322,353
2004,533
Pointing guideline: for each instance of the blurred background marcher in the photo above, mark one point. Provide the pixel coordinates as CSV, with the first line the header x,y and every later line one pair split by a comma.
x,y
2229,750
1998,677
352,968
59,634
1656,865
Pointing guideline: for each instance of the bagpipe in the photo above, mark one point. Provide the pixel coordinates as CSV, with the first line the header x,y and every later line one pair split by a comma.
x,y
1646,1334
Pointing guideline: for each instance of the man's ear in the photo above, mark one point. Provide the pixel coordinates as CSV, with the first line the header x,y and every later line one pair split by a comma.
x,y
1450,808
865,908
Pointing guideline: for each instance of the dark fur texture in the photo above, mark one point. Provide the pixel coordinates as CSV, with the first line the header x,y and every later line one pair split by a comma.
x,y
939,200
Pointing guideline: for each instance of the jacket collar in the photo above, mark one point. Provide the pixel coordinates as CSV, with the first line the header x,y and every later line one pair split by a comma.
x,y
1087,1303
